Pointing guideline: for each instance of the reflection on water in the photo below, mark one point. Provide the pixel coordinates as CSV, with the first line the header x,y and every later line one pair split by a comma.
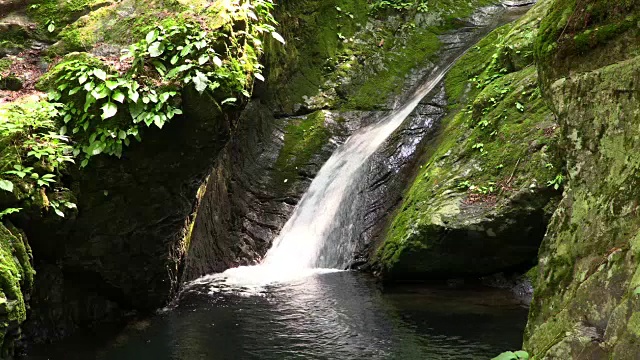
x,y
341,315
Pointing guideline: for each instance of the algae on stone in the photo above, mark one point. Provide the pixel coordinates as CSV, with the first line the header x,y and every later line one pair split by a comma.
x,y
341,56
16,281
480,202
587,279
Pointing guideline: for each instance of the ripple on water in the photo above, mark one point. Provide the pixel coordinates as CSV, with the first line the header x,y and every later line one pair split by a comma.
x,y
338,315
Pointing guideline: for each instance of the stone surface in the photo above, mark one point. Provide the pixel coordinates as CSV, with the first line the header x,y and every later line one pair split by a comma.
x,y
481,201
16,283
586,299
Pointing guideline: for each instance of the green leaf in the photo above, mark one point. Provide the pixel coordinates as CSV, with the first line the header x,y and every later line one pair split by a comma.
x,y
58,212
217,61
152,36
157,119
9,211
229,100
109,110
508,355
100,92
118,96
200,81
82,79
173,72
278,37
136,109
186,50
637,291
6,185
203,59
259,77
122,135
160,68
156,49
51,28
100,74
134,96
522,355
164,97
111,85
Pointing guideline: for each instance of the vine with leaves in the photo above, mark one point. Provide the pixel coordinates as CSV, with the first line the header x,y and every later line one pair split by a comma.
x,y
105,109
95,108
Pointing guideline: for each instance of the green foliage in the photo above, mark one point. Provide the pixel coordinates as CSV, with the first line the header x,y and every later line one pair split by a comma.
x,y
33,154
510,355
394,4
9,211
556,182
105,109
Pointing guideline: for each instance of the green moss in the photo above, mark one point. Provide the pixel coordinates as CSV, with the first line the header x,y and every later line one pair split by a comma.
x,y
421,46
61,13
5,64
588,260
303,139
506,149
353,60
472,65
575,29
16,280
48,80
15,37
499,139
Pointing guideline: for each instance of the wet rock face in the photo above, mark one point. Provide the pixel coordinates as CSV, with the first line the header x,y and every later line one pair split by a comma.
x,y
391,169
257,183
127,243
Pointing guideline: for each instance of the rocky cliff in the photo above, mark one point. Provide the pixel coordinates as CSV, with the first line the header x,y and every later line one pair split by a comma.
x,y
586,298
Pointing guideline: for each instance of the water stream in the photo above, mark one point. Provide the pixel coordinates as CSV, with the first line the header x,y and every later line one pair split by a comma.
x,y
319,237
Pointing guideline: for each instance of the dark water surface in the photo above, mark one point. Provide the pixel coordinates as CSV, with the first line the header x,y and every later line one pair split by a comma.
x,y
342,315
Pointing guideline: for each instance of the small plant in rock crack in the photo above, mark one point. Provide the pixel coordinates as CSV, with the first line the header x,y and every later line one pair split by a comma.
x,y
479,147
557,182
465,185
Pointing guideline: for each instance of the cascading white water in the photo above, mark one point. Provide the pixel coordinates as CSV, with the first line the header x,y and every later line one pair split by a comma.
x,y
314,221
317,237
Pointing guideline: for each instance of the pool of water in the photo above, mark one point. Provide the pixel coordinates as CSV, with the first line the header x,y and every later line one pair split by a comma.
x,y
342,315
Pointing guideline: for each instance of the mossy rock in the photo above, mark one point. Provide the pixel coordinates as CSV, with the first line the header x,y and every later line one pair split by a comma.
x,y
481,201
588,283
586,35
339,55
16,281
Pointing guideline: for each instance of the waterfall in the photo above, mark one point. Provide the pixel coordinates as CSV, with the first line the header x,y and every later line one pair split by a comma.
x,y
321,235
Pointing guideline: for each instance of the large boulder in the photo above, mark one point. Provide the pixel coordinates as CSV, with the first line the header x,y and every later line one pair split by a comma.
x,y
481,201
